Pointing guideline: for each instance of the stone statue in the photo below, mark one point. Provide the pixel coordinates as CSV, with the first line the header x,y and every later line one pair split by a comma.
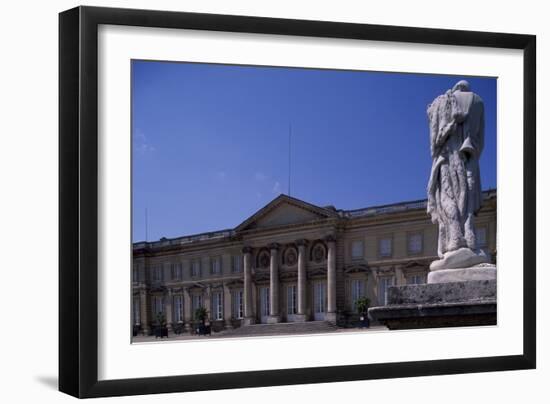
x,y
456,121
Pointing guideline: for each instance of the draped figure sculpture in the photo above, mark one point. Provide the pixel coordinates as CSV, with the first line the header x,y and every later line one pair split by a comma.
x,y
456,121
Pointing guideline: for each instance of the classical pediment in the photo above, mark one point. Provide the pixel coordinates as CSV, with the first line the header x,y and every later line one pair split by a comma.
x,y
285,210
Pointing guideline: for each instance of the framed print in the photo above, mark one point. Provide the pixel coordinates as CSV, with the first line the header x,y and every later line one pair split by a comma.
x,y
250,201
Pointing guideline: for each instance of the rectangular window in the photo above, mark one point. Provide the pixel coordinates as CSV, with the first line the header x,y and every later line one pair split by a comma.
x,y
415,243
216,265
158,306
481,237
178,308
217,306
196,302
357,249
237,263
136,311
177,271
264,301
319,295
135,273
291,304
416,280
238,304
383,285
385,247
157,273
357,292
195,268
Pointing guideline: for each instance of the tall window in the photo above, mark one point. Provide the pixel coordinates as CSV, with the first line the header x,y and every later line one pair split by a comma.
x,y
264,301
196,302
238,304
136,311
177,271
319,294
217,306
135,273
158,305
357,249
481,237
415,243
216,265
357,292
383,284
178,308
385,247
291,300
157,273
416,279
237,263
195,268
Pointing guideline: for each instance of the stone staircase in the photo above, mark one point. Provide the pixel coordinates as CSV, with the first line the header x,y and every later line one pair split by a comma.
x,y
308,327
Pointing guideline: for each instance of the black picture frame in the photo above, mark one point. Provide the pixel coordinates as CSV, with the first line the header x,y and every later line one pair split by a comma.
x,y
78,201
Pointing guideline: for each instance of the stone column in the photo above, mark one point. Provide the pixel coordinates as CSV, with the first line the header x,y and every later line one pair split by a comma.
x,y
168,309
227,312
247,288
274,284
301,286
144,318
330,315
187,315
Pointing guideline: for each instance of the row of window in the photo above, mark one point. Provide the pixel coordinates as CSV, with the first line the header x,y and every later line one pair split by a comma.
x,y
415,242
176,269
358,291
158,306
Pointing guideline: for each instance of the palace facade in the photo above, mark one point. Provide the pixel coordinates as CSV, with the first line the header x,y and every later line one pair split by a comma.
x,y
290,262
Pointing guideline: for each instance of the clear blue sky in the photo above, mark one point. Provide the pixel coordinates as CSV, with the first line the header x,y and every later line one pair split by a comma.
x,y
210,142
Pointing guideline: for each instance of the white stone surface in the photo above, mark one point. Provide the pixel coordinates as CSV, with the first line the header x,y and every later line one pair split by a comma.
x,y
461,258
457,122
475,273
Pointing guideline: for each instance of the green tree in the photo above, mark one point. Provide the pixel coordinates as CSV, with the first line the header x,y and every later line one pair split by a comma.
x,y
362,304
201,314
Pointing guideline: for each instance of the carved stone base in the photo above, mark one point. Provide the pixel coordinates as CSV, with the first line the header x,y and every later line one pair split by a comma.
x,y
453,304
481,272
300,318
249,321
273,319
461,258
331,317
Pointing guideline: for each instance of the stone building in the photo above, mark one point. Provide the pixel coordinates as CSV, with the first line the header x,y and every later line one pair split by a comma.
x,y
290,262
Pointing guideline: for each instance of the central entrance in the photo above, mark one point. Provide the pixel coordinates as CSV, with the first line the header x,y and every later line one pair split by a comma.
x,y
319,300
264,304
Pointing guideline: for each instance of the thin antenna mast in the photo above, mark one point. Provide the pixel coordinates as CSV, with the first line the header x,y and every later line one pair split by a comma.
x,y
146,225
289,153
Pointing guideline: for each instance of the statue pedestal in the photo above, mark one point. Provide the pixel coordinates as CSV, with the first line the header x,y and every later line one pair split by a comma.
x,y
481,272
434,305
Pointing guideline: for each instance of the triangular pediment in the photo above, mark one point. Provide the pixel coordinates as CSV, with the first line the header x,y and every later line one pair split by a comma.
x,y
285,210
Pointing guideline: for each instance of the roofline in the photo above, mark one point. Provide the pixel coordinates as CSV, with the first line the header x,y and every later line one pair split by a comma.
x,y
487,191
225,233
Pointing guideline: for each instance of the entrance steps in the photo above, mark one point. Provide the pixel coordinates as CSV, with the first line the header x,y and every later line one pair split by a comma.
x,y
307,327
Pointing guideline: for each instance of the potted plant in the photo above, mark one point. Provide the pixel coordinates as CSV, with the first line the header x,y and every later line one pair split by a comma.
x,y
362,305
160,329
201,315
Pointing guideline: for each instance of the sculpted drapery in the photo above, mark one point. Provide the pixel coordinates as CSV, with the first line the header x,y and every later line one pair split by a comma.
x,y
456,121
